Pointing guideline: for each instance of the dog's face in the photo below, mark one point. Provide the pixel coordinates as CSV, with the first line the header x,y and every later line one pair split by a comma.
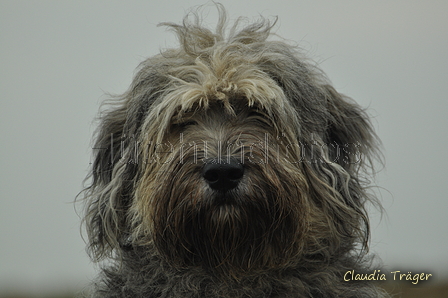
x,y
235,156
219,194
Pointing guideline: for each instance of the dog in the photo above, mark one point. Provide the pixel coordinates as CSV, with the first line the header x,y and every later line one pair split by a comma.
x,y
230,168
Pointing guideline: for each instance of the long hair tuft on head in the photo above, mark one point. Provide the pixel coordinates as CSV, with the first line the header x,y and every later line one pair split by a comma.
x,y
194,38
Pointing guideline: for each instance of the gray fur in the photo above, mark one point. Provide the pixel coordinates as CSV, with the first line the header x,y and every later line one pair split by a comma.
x,y
295,223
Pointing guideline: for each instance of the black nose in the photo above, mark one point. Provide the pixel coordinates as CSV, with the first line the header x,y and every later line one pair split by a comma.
x,y
223,174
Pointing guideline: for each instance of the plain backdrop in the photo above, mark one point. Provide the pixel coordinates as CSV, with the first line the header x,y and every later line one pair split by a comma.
x,y
58,58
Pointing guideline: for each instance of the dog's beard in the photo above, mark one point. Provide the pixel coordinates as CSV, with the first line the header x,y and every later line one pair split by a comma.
x,y
256,226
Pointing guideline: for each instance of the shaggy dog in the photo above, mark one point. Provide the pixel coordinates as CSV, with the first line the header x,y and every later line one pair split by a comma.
x,y
230,168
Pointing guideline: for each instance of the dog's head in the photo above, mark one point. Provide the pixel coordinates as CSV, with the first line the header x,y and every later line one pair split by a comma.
x,y
231,153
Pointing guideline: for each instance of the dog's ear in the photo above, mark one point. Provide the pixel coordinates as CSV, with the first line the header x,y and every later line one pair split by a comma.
x,y
113,172
350,138
351,148
116,158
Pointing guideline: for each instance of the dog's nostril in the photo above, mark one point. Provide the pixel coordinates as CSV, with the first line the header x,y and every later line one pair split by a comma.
x,y
224,174
211,175
235,174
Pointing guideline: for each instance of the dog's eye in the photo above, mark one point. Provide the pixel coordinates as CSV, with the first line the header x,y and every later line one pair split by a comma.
x,y
185,124
253,114
257,116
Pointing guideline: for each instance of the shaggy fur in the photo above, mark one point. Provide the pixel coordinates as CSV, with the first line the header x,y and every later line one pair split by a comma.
x,y
288,221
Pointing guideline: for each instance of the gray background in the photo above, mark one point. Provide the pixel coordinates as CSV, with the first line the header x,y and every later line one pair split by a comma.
x,y
57,58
